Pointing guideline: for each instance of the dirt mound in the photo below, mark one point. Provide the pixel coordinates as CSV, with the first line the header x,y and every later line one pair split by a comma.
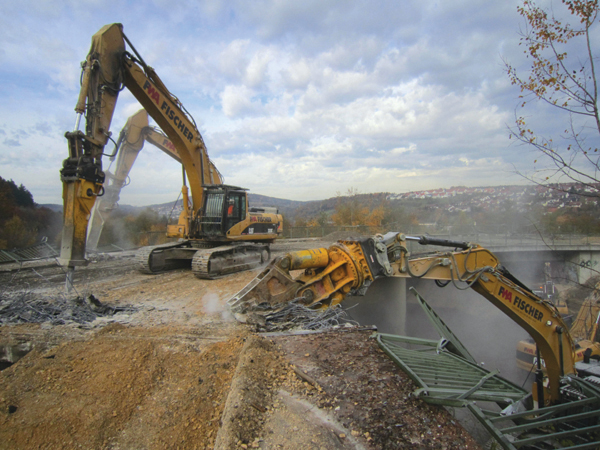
x,y
126,388
350,378
334,390
259,370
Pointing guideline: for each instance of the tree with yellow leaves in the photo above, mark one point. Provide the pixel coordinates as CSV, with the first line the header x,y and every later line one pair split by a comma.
x,y
349,210
562,47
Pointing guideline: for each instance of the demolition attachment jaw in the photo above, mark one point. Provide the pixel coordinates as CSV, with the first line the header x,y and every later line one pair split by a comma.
x,y
323,277
327,277
272,288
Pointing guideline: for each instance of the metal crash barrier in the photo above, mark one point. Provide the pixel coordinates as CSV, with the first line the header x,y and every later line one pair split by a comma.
x,y
42,250
446,374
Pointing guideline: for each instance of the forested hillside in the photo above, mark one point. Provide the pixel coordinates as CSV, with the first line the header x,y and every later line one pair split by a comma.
x,y
22,221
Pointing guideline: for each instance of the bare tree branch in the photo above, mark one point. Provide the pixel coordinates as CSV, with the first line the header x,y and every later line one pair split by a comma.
x,y
568,84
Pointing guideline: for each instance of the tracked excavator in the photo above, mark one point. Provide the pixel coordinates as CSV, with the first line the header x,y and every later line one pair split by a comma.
x,y
131,140
328,275
222,235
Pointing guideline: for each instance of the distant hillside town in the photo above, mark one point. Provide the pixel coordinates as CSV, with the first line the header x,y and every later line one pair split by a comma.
x,y
552,197
452,200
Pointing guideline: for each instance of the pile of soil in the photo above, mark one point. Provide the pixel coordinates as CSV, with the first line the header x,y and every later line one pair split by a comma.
x,y
365,395
124,388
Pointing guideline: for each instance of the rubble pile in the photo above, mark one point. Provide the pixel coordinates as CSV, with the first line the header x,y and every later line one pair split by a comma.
x,y
297,316
28,307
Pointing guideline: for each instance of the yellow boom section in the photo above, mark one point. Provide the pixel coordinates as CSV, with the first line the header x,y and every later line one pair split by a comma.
x,y
350,266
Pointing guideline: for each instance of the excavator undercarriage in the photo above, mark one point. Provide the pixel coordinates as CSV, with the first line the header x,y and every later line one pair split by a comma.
x,y
207,261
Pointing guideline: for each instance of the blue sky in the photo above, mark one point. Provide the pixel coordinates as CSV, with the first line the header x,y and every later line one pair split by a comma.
x,y
297,100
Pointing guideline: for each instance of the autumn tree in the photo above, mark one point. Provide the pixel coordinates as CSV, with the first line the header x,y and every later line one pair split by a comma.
x,y
397,218
349,210
139,227
375,216
16,234
561,47
8,205
318,221
322,219
300,221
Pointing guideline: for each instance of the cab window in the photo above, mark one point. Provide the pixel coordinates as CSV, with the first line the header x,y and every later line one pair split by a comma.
x,y
236,209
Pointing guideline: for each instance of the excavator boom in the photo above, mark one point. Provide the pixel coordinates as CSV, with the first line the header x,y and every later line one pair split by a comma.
x,y
128,146
350,266
131,141
583,331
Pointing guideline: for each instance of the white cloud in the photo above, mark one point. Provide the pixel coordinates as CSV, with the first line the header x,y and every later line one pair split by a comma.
x,y
257,69
294,99
298,74
237,100
234,58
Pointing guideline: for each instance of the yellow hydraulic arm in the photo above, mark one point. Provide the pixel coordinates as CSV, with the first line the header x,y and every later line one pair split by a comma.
x,y
131,141
159,140
108,69
350,266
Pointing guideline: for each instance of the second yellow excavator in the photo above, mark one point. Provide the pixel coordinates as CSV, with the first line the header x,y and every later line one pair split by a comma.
x,y
349,267
584,332
132,137
221,234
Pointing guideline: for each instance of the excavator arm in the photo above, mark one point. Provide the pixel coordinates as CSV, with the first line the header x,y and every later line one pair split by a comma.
x,y
131,141
128,146
350,266
157,138
107,70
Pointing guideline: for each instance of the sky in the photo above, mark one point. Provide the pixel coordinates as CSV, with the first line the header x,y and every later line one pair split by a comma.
x,y
296,100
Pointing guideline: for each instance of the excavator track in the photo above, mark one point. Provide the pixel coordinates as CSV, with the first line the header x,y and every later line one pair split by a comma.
x,y
215,262
152,259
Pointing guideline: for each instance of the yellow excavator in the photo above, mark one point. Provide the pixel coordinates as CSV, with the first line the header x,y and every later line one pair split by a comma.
x,y
221,233
327,275
131,140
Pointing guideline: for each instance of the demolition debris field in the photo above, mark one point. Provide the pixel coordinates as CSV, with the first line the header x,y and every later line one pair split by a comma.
x,y
155,362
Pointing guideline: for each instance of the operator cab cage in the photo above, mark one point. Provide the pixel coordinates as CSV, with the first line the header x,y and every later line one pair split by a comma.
x,y
224,206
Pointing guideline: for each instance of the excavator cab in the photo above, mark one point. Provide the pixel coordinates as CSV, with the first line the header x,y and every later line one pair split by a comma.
x,y
224,207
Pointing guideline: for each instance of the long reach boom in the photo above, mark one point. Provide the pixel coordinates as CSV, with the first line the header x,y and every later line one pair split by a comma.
x,y
350,266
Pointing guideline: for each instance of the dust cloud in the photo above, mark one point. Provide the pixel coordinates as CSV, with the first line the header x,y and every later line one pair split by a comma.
x,y
118,234
213,304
